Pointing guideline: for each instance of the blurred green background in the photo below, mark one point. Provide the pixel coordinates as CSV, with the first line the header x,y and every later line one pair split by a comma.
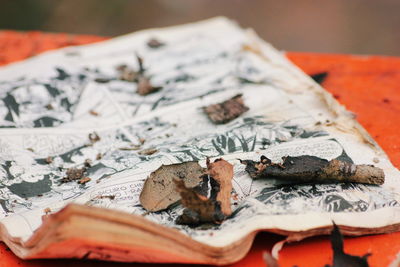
x,y
336,26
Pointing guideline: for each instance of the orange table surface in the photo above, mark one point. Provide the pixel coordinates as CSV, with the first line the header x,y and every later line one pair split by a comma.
x,y
369,86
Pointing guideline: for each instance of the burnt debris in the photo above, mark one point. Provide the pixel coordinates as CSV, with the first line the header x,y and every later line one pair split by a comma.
x,y
159,191
155,43
144,85
226,111
93,137
319,77
127,74
208,202
84,180
199,208
73,174
311,169
148,151
205,193
49,160
94,113
340,258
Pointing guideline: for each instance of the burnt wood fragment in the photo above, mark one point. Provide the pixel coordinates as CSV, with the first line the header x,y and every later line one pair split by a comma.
x,y
226,111
319,77
311,169
210,200
159,191
340,258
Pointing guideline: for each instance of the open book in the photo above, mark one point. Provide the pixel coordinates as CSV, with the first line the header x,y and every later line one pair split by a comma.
x,y
76,107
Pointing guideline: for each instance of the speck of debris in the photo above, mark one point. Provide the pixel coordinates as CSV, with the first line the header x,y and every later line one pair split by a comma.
x,y
148,152
329,123
375,160
99,156
336,96
84,180
30,149
40,195
226,111
154,43
318,123
94,113
72,54
93,137
111,197
121,67
73,174
127,74
47,211
386,100
49,107
49,160
142,140
87,163
145,87
132,147
235,196
102,80
319,77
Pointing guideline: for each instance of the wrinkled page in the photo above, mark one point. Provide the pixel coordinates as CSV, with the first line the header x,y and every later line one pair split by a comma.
x,y
53,103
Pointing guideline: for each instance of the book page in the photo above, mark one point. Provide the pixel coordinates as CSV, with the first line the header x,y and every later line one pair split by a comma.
x,y
70,106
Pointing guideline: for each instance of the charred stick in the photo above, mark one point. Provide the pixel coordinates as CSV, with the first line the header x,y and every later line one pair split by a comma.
x,y
311,169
